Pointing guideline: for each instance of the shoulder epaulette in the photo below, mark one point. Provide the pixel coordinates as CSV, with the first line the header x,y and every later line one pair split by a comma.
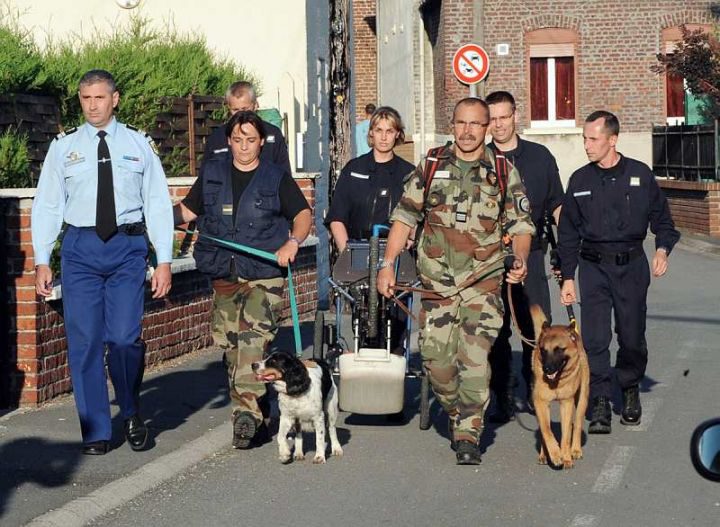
x,y
66,132
146,135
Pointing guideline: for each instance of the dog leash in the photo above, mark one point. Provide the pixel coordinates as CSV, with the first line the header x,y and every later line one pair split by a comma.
x,y
267,256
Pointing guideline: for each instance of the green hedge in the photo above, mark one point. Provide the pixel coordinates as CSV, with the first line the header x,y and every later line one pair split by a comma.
x,y
148,64
14,160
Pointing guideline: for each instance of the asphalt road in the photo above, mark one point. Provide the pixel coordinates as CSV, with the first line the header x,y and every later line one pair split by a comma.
x,y
392,473
398,475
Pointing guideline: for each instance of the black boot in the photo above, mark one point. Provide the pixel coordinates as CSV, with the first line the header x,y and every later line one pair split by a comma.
x,y
468,453
245,426
601,416
631,411
504,407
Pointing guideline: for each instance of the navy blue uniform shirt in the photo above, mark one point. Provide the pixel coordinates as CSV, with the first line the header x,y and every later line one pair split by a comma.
x,y
366,193
274,150
540,175
613,207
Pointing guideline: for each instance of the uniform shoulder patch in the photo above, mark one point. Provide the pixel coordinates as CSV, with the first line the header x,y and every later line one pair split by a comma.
x,y
66,132
146,135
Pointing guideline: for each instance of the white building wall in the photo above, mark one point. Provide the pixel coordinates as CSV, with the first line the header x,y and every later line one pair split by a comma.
x,y
268,37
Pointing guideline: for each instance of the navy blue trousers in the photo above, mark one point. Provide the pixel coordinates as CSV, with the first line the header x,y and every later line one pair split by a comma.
x,y
607,288
103,286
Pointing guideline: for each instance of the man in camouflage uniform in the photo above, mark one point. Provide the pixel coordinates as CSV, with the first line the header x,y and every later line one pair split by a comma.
x,y
465,210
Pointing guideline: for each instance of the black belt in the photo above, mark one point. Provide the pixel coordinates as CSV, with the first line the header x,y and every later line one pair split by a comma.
x,y
618,258
131,229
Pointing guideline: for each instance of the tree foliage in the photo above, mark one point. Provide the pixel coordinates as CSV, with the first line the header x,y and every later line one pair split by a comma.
x,y
696,58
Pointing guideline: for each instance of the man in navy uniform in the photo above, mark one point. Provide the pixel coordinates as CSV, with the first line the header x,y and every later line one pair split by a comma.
x,y
607,208
241,97
104,180
540,176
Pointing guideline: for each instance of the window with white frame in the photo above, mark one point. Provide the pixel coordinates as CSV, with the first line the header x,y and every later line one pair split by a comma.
x,y
552,85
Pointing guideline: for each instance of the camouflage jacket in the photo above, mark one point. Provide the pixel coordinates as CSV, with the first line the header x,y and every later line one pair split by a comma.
x,y
461,238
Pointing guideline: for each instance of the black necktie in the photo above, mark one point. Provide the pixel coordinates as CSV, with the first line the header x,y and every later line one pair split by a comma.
x,y
105,224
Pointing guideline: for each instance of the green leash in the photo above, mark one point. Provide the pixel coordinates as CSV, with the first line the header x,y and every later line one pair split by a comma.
x,y
267,256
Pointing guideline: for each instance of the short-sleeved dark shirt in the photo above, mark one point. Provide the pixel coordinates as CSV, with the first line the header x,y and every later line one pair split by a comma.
x,y
292,200
366,193
540,175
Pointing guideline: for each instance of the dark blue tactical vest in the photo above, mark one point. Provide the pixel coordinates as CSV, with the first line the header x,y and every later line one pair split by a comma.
x,y
259,222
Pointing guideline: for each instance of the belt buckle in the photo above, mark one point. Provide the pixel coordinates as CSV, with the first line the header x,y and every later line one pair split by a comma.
x,y
622,258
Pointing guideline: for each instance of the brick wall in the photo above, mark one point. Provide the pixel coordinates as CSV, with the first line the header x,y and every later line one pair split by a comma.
x,y
617,44
33,349
364,58
695,207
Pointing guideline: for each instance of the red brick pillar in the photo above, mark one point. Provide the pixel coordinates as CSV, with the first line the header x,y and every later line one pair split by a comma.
x,y
33,360
364,57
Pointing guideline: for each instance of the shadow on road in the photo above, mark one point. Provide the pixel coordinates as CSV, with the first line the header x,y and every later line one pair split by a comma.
x,y
35,461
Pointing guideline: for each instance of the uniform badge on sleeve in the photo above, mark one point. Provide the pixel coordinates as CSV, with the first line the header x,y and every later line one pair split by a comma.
x,y
270,139
523,204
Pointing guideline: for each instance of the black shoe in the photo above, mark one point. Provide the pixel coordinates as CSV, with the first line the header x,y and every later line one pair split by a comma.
x,y
504,408
601,416
136,433
96,448
632,411
245,426
467,453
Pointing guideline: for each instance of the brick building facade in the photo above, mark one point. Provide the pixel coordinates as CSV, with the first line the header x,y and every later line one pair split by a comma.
x,y
561,59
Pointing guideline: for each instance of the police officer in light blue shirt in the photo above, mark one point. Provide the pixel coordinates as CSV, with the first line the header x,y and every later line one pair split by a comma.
x,y
104,180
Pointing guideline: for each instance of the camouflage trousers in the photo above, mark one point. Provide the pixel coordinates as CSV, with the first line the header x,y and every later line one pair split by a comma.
x,y
456,337
245,318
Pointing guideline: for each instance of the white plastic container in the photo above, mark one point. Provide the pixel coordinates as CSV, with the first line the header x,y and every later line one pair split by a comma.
x,y
372,382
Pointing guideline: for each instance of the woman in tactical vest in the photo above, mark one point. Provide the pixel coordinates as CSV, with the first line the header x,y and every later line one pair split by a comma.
x,y
242,199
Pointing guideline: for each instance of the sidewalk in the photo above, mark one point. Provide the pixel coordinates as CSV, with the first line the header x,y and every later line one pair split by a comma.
x,y
185,404
699,243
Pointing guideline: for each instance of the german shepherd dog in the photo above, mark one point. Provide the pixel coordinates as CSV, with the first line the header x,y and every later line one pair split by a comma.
x,y
561,372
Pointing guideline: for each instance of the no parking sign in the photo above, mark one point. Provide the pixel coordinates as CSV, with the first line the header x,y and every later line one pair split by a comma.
x,y
470,64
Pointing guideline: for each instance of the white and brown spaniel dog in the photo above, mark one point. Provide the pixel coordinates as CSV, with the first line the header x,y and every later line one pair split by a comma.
x,y
306,394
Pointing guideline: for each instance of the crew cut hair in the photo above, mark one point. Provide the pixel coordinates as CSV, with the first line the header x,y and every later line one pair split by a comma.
x,y
240,89
470,101
497,97
611,124
95,76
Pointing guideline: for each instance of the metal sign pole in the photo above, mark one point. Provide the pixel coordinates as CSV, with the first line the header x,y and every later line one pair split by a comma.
x,y
473,90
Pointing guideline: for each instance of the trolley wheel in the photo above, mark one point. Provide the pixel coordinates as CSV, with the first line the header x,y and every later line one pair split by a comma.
x,y
424,402
318,335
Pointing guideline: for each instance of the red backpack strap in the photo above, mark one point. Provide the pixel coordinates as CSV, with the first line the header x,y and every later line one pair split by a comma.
x,y
501,169
431,164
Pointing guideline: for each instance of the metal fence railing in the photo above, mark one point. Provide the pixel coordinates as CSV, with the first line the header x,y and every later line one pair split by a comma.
x,y
686,153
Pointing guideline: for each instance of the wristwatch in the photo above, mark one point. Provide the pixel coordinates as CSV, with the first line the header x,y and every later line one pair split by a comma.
x,y
294,239
383,263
